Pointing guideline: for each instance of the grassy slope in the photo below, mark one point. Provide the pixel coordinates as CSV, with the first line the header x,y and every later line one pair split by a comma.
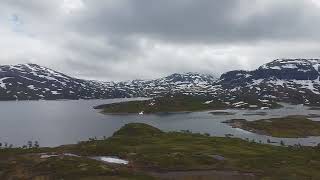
x,y
290,127
183,151
27,164
148,148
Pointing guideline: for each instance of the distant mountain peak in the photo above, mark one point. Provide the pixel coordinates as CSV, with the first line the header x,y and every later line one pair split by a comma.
x,y
289,80
279,64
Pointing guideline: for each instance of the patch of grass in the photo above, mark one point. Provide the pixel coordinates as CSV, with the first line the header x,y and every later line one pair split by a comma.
x,y
286,127
18,163
78,167
138,129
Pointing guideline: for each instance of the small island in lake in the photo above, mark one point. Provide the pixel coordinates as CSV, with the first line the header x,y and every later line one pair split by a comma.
x,y
286,127
183,103
140,151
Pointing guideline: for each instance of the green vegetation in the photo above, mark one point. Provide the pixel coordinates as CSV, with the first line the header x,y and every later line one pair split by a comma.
x,y
288,127
18,163
180,103
150,150
153,149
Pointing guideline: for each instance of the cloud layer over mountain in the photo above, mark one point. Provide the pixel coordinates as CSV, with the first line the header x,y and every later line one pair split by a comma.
x,y
127,39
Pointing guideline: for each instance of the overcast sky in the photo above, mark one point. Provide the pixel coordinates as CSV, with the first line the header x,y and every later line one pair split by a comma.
x,y
130,39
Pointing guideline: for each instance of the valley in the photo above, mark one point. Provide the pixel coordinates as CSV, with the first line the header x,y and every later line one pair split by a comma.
x,y
159,90
260,124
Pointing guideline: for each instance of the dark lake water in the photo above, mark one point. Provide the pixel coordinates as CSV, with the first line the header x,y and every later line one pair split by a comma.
x,y
54,123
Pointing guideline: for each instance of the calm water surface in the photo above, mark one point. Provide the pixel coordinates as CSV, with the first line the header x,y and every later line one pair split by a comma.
x,y
54,123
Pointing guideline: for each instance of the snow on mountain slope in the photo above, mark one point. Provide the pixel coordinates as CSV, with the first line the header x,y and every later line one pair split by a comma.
x,y
291,80
187,83
31,81
299,69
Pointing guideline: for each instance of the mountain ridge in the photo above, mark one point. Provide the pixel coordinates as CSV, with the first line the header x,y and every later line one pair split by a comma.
x,y
288,80
33,82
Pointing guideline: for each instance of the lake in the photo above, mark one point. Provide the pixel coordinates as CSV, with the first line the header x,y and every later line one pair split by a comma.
x,y
54,123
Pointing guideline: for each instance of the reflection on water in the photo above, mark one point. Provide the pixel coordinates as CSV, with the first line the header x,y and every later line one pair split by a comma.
x,y
55,123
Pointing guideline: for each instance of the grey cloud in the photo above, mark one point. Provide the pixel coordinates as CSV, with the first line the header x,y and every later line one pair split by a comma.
x,y
128,39
212,21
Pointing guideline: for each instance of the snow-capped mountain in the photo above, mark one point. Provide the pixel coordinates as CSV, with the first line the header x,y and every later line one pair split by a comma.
x,y
31,81
291,80
188,83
